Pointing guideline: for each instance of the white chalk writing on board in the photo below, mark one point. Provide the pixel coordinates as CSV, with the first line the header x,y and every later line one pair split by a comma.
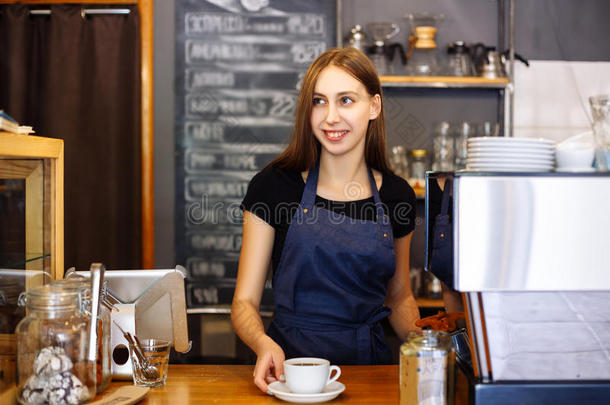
x,y
219,242
198,23
238,71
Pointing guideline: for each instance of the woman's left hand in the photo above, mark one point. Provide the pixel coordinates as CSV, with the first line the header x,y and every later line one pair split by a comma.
x,y
269,363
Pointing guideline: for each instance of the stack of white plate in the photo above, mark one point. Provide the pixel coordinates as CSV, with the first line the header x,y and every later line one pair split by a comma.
x,y
510,154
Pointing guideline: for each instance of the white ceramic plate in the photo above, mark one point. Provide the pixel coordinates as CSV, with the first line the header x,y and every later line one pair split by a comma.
x,y
510,165
281,391
509,161
492,140
510,154
513,151
508,169
511,147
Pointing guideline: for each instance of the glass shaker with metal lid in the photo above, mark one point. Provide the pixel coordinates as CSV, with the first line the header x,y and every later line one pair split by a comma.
x,y
427,361
103,367
53,349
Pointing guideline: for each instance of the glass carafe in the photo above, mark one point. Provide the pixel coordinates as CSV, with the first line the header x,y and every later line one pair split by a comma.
x,y
52,349
381,32
600,108
460,62
423,58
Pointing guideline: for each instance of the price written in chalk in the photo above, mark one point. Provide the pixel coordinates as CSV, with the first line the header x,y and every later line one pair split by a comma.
x,y
257,104
281,50
200,23
215,242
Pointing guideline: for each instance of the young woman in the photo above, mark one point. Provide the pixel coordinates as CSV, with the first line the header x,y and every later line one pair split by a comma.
x,y
336,226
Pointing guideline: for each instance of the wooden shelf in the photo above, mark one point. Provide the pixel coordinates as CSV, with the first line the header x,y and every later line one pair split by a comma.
x,y
443,82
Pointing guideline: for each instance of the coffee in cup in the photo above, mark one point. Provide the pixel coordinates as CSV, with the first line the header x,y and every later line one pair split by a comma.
x,y
309,375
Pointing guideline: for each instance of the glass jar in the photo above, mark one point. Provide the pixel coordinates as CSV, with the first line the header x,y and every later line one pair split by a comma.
x,y
103,367
427,361
52,348
417,171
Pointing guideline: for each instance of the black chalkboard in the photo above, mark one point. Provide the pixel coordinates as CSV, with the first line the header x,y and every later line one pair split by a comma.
x,y
237,71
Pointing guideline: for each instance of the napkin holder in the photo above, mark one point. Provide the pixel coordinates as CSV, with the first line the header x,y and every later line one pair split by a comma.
x,y
144,299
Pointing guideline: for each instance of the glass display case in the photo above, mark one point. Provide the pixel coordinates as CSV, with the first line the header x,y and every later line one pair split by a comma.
x,y
31,231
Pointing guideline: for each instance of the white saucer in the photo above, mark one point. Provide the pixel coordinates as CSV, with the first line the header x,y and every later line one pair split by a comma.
x,y
281,391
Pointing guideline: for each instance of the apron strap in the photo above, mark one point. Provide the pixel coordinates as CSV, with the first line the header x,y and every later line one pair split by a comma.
x,y
380,214
446,197
311,185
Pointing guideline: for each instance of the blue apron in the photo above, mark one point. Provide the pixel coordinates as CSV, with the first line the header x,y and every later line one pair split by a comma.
x,y
331,282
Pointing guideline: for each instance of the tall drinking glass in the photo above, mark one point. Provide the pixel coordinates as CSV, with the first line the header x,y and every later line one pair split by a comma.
x,y
600,109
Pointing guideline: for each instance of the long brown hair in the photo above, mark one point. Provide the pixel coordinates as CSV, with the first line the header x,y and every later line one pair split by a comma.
x,y
304,149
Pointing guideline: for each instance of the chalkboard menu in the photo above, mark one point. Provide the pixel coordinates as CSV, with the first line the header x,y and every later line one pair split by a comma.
x,y
238,68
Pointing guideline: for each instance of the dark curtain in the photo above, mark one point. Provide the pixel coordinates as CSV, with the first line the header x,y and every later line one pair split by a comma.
x,y
78,79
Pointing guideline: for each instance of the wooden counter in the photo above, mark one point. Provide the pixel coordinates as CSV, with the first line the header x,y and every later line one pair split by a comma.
x,y
223,384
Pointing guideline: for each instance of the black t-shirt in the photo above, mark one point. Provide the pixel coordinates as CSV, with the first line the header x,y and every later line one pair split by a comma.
x,y
274,194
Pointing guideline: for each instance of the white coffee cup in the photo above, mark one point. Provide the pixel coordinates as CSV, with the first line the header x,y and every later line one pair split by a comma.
x,y
309,375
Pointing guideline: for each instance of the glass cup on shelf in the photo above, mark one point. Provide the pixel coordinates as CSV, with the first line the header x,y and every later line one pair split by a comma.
x,y
488,128
399,162
443,145
464,131
600,108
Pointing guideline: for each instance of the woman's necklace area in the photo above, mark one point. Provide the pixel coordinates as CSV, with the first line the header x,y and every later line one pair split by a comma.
x,y
351,190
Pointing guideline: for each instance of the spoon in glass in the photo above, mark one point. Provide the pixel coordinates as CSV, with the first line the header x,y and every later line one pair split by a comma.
x,y
149,371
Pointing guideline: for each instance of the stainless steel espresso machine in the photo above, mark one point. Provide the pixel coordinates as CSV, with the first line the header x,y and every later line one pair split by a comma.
x,y
531,255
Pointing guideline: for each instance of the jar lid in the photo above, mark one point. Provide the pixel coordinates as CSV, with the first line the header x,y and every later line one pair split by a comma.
x,y
419,152
54,297
429,339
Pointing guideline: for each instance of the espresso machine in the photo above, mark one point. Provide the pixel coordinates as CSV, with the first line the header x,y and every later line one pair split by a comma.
x,y
530,255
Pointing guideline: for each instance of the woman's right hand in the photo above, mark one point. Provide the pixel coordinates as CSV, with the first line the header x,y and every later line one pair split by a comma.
x,y
269,363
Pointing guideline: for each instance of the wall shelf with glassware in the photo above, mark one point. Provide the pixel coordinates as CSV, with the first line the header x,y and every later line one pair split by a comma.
x,y
444,82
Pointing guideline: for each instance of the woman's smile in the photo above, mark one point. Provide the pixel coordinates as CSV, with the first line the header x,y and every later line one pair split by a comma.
x,y
335,135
